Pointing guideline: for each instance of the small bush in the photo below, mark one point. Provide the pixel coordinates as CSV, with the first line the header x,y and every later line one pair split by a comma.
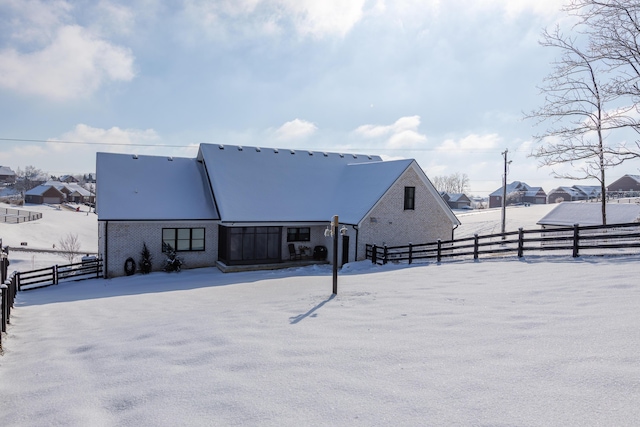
x,y
145,260
173,261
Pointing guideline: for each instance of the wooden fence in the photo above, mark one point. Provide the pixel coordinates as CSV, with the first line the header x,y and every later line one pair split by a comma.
x,y
576,240
17,216
8,290
43,277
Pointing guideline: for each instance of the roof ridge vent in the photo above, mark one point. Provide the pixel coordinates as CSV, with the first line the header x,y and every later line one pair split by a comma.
x,y
258,149
311,153
341,155
292,151
325,154
221,147
355,156
275,151
135,157
240,148
170,158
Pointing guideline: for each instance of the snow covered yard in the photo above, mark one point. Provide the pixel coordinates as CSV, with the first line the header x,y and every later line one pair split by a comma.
x,y
533,342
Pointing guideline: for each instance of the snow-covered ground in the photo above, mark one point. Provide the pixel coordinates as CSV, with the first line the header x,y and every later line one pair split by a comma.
x,y
42,234
538,341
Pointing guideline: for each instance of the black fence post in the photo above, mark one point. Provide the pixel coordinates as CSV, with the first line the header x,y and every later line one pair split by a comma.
x,y
439,255
55,274
386,252
374,254
476,246
4,302
576,240
410,252
520,242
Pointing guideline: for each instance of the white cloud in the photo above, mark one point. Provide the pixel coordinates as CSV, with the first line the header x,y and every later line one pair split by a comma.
x,y
403,133
309,18
114,135
471,143
74,65
295,129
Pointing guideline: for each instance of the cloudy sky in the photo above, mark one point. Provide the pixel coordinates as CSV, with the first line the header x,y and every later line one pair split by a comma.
x,y
444,82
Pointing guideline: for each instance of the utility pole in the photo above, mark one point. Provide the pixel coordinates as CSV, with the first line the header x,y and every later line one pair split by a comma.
x,y
504,192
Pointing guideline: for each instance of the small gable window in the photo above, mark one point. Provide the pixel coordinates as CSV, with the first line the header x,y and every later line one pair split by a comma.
x,y
183,239
298,234
409,198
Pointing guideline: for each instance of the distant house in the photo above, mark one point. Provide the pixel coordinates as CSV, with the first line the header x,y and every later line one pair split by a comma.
x,y
574,193
67,178
7,176
56,192
248,206
625,184
518,193
567,214
44,194
456,200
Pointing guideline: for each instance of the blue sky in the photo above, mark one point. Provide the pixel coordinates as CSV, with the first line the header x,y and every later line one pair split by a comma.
x,y
444,82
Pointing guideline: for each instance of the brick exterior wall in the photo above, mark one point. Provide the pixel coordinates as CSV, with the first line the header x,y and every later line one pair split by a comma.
x,y
125,239
388,223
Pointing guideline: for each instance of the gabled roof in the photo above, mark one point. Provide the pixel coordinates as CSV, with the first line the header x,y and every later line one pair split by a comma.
x,y
253,184
6,171
570,213
533,191
514,186
151,188
248,185
456,197
41,189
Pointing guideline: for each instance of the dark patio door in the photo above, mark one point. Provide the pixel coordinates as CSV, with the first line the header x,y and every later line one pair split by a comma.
x,y
251,245
345,250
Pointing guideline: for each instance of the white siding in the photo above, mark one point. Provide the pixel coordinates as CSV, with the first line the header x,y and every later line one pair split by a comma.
x,y
126,238
389,223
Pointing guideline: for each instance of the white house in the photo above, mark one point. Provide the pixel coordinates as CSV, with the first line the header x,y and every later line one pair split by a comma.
x,y
245,206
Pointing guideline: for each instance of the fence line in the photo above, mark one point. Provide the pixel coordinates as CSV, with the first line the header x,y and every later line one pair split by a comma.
x,y
601,239
17,216
43,277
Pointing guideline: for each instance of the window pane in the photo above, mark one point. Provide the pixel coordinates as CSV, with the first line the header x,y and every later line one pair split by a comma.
x,y
197,233
184,233
197,245
168,233
305,234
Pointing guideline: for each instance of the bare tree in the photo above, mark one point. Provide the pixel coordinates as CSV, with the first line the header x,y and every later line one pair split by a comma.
x,y
577,94
27,179
69,247
454,183
613,30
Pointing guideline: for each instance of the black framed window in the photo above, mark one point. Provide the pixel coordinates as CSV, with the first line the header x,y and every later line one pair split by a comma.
x,y
409,198
298,234
183,239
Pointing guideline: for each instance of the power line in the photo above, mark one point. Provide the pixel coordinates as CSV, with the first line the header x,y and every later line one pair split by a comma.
x,y
124,144
56,141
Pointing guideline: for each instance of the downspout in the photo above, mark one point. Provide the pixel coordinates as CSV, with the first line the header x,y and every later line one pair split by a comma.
x,y
355,227
106,250
453,230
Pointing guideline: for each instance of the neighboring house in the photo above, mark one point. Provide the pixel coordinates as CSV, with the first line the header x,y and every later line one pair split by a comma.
x,y
627,183
574,193
44,194
456,200
68,179
518,193
7,176
567,214
245,205
56,192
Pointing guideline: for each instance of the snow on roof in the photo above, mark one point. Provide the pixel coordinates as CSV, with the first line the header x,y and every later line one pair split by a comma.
x,y
514,186
151,188
570,213
253,184
43,188
6,171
